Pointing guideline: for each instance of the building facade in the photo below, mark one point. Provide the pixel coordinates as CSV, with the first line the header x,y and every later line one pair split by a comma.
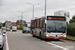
x,y
13,23
8,24
19,22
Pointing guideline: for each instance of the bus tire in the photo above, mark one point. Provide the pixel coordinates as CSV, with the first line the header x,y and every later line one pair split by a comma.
x,y
40,36
22,31
32,34
1,48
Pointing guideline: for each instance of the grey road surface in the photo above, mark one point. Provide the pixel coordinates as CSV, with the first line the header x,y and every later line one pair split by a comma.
x,y
25,41
4,47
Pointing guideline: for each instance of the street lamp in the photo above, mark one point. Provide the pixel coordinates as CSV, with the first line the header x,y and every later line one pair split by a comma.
x,y
45,8
22,14
33,8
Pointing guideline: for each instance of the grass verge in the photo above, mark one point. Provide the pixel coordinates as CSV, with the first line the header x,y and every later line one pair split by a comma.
x,y
70,37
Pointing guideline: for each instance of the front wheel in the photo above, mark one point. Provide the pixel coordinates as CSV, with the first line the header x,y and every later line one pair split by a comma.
x,y
40,36
33,34
1,48
22,31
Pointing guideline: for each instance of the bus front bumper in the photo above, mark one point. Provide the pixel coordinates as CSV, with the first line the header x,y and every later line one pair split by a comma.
x,y
52,37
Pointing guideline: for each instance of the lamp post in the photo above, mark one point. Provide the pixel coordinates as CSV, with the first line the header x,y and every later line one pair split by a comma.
x,y
45,13
45,7
33,8
22,14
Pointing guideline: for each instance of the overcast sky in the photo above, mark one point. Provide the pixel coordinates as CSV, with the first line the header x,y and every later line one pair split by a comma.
x,y
9,8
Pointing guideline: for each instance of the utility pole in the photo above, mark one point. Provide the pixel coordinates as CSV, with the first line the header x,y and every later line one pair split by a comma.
x,y
33,8
22,14
45,8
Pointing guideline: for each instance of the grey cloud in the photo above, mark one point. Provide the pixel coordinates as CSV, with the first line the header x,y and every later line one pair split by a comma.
x,y
9,8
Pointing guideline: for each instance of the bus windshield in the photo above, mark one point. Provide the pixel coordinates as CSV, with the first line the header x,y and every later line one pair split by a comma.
x,y
56,26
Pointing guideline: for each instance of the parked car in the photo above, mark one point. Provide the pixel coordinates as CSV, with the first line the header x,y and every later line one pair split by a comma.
x,y
4,29
7,29
26,29
1,39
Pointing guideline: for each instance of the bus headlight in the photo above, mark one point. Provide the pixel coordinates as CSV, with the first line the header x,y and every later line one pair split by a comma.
x,y
47,35
64,35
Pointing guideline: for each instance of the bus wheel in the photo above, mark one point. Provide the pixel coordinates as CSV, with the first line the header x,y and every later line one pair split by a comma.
x,y
32,34
40,35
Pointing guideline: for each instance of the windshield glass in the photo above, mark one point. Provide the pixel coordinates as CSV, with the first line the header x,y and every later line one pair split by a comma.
x,y
14,28
4,28
56,26
26,28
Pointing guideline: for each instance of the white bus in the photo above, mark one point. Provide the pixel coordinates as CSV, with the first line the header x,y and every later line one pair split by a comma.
x,y
50,27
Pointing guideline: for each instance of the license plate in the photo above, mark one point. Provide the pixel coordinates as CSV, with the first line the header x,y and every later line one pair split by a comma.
x,y
56,37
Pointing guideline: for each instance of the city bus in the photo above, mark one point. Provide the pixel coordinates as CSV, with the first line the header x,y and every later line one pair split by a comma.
x,y
49,27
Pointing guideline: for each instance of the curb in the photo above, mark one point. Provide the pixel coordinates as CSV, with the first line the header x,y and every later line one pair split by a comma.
x,y
70,39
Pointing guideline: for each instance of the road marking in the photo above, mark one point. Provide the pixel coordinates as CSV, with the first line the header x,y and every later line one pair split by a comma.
x,y
58,46
7,46
56,42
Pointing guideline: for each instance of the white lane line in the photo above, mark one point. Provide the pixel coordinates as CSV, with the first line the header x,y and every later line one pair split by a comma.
x,y
58,46
56,42
7,46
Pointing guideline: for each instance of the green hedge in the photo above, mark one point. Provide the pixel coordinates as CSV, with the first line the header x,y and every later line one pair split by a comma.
x,y
71,29
20,28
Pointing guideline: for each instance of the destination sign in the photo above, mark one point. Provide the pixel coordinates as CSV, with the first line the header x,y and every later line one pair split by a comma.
x,y
55,18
